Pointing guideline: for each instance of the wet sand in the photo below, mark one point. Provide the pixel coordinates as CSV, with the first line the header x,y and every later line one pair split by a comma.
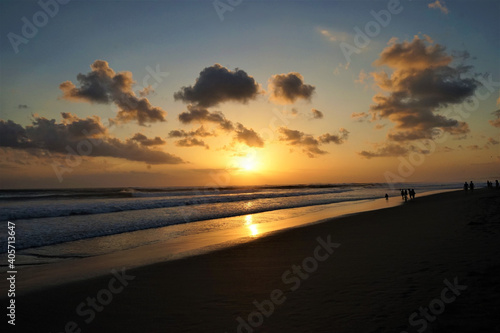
x,y
368,272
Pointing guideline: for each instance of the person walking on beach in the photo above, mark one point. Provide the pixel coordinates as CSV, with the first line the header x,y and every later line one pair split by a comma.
x,y
386,196
466,187
402,194
405,194
412,194
471,187
497,185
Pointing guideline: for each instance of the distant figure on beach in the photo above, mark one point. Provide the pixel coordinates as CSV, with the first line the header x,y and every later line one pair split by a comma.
x,y
471,186
402,194
466,187
497,185
412,194
405,194
386,196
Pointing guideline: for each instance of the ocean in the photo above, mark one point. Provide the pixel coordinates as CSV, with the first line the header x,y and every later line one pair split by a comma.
x,y
56,224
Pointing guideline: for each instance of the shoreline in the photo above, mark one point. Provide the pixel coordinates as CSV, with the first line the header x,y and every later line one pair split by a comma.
x,y
390,262
43,276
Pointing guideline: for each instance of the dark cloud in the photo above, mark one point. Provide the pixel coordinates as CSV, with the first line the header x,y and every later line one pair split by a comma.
x,y
73,135
145,141
335,138
248,136
422,82
200,132
22,106
317,114
102,85
199,114
495,122
217,84
385,151
287,88
191,142
310,145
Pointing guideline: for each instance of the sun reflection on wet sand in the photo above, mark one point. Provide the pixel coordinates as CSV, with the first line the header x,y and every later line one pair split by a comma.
x,y
254,231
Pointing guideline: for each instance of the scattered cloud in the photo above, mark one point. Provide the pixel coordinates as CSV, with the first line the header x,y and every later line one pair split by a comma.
x,y
202,115
334,36
495,122
439,4
362,77
386,150
310,145
474,147
492,141
191,142
145,141
248,136
200,132
360,116
317,114
22,106
217,84
73,133
287,88
103,85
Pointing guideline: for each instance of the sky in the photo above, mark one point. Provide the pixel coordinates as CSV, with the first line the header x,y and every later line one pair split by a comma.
x,y
240,92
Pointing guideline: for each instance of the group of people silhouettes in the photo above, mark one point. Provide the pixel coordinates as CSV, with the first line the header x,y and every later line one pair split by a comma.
x,y
490,184
469,187
406,193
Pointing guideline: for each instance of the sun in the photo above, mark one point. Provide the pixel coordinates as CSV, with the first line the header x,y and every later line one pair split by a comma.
x,y
248,162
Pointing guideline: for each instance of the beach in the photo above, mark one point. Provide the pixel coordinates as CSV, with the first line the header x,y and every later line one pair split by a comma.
x,y
369,272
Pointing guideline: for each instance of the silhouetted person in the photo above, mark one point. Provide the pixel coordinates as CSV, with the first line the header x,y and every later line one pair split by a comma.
x,y
466,187
412,194
471,187
497,185
386,196
405,194
402,194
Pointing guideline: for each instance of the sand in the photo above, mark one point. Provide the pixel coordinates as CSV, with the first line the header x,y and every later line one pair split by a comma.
x,y
379,268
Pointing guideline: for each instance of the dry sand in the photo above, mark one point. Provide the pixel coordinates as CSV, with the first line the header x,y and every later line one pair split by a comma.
x,y
389,263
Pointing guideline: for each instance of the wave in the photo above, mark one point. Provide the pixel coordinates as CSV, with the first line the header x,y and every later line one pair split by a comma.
x,y
89,207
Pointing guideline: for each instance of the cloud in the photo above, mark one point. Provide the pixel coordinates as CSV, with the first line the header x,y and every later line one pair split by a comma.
x,y
335,138
191,142
200,114
309,144
287,88
439,4
217,84
334,36
492,141
359,116
145,141
385,151
22,106
495,122
362,77
200,132
317,114
474,147
103,85
422,82
248,136
73,135
417,54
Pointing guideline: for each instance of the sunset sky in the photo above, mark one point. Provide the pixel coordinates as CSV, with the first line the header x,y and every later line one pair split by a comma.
x,y
181,93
